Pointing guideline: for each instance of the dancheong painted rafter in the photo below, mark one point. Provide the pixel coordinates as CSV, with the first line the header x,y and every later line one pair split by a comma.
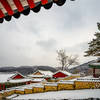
x,y
9,8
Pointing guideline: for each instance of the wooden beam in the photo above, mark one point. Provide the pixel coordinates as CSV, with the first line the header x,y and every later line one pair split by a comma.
x,y
7,7
43,2
31,3
18,5
1,14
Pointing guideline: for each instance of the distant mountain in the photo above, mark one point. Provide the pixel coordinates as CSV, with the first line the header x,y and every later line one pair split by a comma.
x,y
83,68
26,69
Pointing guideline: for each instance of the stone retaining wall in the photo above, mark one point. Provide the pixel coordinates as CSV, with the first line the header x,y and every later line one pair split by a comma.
x,y
38,89
69,85
64,86
28,91
50,88
19,92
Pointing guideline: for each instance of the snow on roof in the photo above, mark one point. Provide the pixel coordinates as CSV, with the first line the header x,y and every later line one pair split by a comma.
x,y
21,89
35,76
38,80
16,73
4,77
46,73
67,81
75,74
9,89
32,85
65,72
89,78
19,80
18,88
28,86
95,64
51,84
38,85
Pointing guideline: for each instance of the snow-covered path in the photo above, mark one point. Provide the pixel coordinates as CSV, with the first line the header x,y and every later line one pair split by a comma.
x,y
68,94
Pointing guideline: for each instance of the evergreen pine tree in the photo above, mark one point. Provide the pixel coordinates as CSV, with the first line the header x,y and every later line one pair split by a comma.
x,y
94,45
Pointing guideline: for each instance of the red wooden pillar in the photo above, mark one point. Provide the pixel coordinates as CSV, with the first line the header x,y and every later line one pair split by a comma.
x,y
0,87
93,72
3,86
43,2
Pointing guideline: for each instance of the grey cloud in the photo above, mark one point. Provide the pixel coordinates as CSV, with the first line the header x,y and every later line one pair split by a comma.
x,y
79,14
8,27
18,37
47,44
79,48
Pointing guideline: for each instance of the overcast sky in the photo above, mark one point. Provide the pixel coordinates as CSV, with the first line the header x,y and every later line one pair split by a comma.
x,y
34,39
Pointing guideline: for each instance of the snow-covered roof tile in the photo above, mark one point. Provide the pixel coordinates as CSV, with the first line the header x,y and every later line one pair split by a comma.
x,y
35,75
65,72
35,85
19,80
95,64
17,73
38,79
46,73
51,84
66,81
4,77
89,79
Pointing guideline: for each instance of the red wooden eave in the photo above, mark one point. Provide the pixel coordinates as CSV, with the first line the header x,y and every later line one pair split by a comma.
x,y
59,75
18,5
43,2
7,7
18,76
1,14
31,3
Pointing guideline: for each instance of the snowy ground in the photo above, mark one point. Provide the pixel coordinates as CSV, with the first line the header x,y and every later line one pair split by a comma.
x,y
67,94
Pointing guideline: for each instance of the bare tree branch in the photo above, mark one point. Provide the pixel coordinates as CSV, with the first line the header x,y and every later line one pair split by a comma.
x,y
66,61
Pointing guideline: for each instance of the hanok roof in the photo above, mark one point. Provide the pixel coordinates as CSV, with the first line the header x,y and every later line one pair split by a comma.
x,y
36,76
67,81
20,80
46,73
5,76
42,74
9,7
38,80
64,72
14,8
17,73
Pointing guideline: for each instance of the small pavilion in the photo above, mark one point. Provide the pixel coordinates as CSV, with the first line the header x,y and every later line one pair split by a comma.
x,y
95,66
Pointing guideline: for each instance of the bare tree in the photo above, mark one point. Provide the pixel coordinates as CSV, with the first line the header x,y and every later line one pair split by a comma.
x,y
66,61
